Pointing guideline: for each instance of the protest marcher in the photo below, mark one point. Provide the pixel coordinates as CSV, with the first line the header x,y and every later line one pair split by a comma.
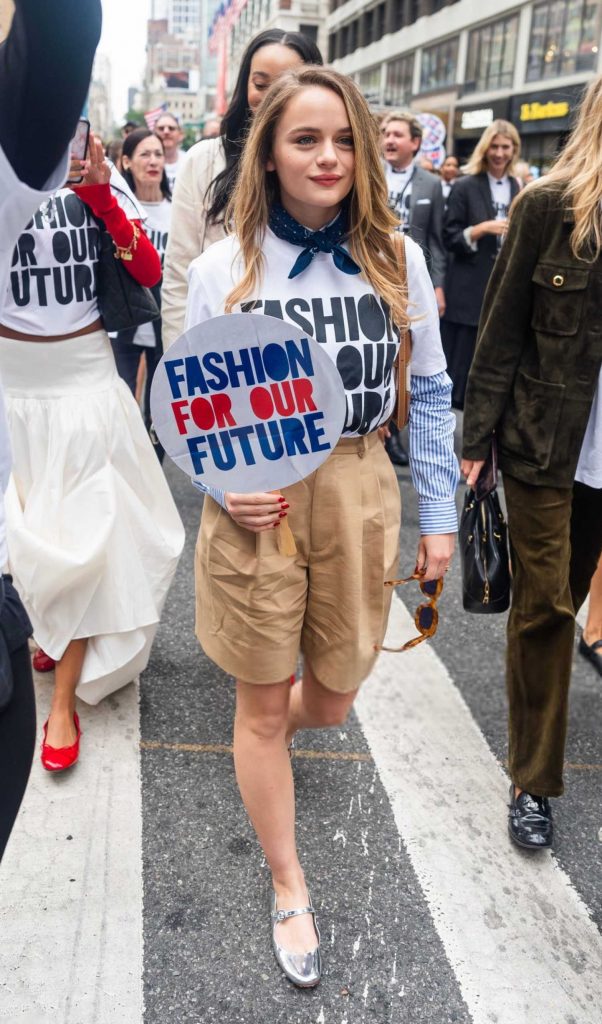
x,y
207,180
313,236
129,126
93,533
113,151
475,221
143,165
168,129
536,381
415,196
450,169
212,128
45,66
590,643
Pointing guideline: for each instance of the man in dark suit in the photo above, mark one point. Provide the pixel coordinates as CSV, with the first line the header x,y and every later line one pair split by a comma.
x,y
416,197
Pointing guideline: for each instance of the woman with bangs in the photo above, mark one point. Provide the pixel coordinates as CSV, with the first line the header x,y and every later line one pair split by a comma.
x,y
313,239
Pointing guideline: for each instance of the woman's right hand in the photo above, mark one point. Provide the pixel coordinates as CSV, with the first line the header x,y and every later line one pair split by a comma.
x,y
489,227
257,512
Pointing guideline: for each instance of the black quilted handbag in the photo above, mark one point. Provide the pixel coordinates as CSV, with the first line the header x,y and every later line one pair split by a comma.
x,y
483,543
122,302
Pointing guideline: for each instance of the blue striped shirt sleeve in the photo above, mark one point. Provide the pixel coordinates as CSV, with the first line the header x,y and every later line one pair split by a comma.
x,y
433,464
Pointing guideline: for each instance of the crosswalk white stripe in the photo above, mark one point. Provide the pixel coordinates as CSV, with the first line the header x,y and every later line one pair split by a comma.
x,y
71,908
516,933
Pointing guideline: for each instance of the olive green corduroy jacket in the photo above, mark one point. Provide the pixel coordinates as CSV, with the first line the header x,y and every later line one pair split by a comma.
x,y
539,348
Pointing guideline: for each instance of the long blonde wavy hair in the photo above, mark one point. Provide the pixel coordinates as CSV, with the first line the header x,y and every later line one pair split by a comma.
x,y
578,170
371,222
478,160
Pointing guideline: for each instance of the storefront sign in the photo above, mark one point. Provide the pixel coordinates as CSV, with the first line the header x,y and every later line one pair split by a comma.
x,y
543,111
476,118
247,403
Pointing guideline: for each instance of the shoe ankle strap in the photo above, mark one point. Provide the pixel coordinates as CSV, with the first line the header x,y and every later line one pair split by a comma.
x,y
283,915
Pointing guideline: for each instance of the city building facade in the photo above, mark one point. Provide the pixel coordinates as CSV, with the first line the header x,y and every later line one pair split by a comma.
x,y
306,16
470,61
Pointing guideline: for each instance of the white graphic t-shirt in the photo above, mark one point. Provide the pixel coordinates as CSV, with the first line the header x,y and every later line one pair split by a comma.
x,y
17,203
339,310
171,170
501,197
52,279
156,226
399,185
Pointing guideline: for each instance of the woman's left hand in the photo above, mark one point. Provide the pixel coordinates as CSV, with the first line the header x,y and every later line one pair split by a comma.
x,y
97,171
435,554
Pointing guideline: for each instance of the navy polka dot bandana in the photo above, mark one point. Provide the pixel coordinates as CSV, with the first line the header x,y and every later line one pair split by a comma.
x,y
327,240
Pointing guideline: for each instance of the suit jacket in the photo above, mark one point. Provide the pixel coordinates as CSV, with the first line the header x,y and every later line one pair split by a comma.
x,y
537,363
426,222
468,272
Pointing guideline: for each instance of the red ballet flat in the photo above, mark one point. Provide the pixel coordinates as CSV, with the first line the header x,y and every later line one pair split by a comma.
x,y
42,662
57,759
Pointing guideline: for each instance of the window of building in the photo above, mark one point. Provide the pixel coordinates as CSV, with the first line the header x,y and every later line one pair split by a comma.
x,y
369,84
398,82
310,32
564,38
491,53
439,64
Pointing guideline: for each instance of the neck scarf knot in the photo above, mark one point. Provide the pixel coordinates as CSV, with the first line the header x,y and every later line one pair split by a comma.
x,y
327,240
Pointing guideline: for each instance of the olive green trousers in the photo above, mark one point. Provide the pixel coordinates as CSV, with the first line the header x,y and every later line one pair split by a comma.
x,y
555,543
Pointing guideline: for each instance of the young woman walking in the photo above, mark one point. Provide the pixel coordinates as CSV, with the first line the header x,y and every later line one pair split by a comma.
x,y
313,244
93,533
206,181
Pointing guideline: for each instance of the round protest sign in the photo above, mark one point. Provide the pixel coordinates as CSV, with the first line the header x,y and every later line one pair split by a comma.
x,y
247,403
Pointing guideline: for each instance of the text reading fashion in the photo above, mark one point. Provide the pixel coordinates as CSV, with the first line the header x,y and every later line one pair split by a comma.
x,y
281,418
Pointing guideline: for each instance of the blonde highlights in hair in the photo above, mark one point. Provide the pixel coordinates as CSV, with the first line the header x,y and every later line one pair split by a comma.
x,y
478,160
371,222
579,170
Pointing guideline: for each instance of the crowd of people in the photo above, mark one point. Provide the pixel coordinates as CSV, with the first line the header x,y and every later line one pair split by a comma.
x,y
502,295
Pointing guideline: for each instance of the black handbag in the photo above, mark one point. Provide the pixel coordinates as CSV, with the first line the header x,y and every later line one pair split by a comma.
x,y
483,543
123,302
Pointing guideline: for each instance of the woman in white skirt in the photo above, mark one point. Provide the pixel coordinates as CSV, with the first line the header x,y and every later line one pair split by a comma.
x,y
94,536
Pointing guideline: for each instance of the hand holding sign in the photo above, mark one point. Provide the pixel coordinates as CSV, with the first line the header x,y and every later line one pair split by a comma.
x,y
247,403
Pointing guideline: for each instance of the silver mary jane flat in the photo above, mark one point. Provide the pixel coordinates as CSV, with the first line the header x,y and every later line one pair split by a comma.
x,y
303,969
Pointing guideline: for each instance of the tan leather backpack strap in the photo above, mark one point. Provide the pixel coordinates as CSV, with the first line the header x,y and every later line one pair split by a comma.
x,y
404,353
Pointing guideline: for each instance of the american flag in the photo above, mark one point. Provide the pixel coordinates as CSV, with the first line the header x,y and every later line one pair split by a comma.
x,y
152,116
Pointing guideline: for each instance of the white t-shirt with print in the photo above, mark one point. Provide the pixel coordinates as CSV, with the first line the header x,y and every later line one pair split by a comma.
x,y
340,310
17,203
171,170
589,467
399,186
51,286
156,226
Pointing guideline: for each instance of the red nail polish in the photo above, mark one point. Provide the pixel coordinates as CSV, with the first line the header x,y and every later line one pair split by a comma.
x,y
276,524
285,506
281,498
282,515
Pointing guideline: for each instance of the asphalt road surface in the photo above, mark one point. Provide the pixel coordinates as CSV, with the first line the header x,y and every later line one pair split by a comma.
x,y
133,889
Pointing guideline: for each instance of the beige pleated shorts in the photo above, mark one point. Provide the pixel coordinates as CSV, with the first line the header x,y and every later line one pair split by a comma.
x,y
256,608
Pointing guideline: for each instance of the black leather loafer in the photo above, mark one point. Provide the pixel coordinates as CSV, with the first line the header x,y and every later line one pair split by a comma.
x,y
593,653
530,821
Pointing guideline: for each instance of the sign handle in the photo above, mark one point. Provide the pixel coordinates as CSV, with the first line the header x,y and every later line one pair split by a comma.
x,y
286,541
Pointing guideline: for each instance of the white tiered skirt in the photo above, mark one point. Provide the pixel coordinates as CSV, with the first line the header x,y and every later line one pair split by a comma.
x,y
94,536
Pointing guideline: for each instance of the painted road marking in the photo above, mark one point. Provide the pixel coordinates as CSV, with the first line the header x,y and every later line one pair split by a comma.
x,y
515,931
71,896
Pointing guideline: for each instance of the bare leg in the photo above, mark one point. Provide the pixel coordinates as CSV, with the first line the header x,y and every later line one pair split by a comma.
x,y
312,706
61,729
265,780
593,626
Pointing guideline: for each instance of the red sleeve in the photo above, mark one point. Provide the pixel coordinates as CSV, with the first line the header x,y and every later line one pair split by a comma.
x,y
145,264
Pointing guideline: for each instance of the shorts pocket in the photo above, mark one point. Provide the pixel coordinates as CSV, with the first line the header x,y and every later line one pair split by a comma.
x,y
530,424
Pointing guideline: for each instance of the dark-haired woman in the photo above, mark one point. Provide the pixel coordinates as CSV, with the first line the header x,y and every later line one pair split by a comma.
x,y
143,166
207,179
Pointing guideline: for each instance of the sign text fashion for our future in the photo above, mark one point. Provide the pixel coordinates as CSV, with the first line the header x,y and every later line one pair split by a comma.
x,y
247,398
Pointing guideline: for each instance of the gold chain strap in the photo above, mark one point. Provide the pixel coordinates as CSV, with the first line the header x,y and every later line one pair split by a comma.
x,y
126,252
